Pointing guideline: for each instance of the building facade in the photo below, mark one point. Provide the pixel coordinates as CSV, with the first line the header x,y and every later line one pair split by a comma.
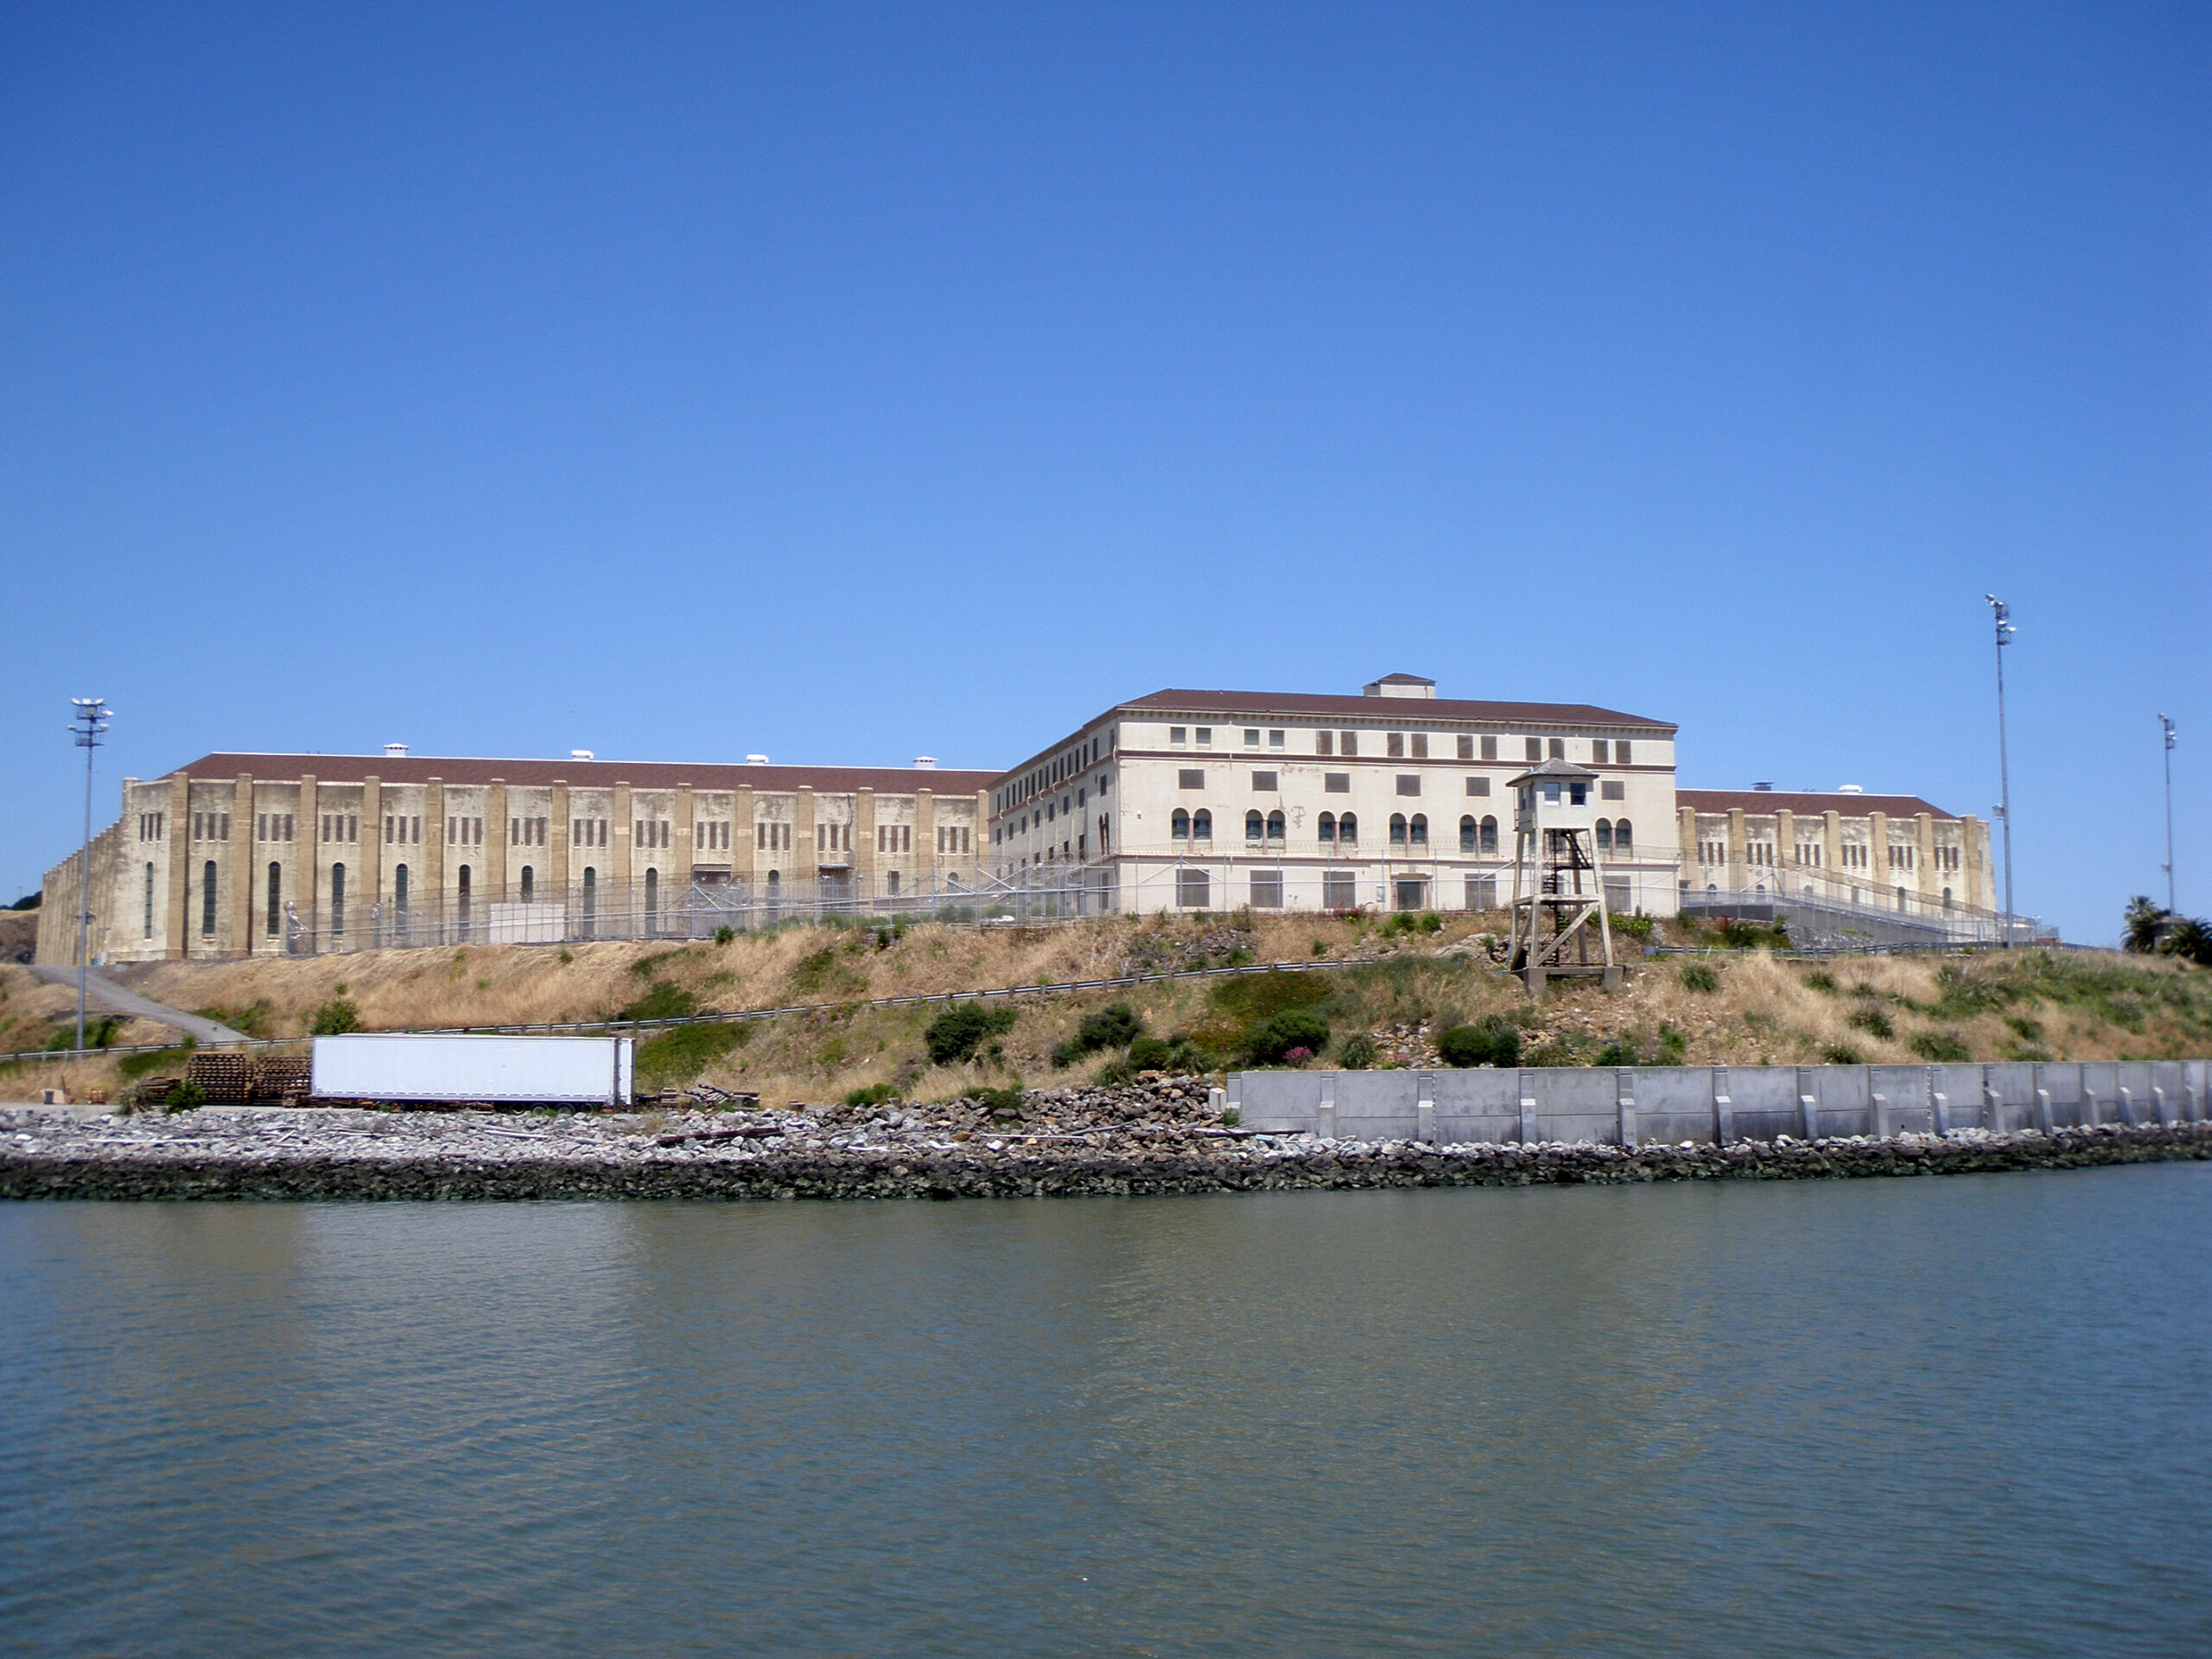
x,y
1846,848
1393,798
240,854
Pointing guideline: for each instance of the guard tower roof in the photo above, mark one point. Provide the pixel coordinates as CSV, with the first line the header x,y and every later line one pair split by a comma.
x,y
1551,770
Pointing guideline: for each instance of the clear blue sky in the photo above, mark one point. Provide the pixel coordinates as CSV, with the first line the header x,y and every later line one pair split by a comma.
x,y
850,384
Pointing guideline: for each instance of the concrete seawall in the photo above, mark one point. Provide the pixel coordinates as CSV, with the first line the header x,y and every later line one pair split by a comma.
x,y
1717,1105
1073,1172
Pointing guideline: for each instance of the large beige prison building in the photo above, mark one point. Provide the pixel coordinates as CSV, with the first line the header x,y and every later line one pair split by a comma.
x,y
242,855
1848,848
1393,799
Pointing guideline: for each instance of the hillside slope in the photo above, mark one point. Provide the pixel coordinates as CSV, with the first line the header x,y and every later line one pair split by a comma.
x,y
1405,989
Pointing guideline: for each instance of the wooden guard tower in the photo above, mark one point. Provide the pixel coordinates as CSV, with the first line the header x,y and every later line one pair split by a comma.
x,y
1559,887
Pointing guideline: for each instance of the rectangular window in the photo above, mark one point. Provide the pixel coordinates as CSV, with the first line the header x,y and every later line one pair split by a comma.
x,y
1612,789
1482,893
1466,748
1559,748
1251,737
1340,890
1421,746
1267,889
1192,888
1409,783
1620,752
1206,736
1264,782
1394,746
1337,783
1535,749
1190,778
1597,750
1325,743
1477,786
1176,734
1347,743
1490,748
1275,740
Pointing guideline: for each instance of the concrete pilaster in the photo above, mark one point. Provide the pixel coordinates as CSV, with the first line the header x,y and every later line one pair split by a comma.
x,y
433,846
495,842
1685,843
309,898
1923,835
743,862
864,859
926,853
556,843
1785,847
239,922
983,831
1832,842
1736,839
620,841
806,863
1878,856
683,853
364,890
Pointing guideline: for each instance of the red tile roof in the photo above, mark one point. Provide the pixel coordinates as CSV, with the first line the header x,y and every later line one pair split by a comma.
x,y
1805,803
1404,708
588,774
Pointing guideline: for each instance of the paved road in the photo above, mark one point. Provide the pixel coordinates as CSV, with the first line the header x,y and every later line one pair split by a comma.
x,y
116,1000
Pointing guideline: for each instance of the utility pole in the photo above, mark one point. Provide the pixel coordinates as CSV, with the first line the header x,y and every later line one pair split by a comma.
x,y
86,725
2003,619
2167,727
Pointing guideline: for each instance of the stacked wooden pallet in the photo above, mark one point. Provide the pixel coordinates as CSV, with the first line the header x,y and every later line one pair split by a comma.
x,y
279,1077
223,1080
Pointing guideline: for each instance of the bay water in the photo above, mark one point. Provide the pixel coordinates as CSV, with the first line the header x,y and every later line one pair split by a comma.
x,y
1937,1416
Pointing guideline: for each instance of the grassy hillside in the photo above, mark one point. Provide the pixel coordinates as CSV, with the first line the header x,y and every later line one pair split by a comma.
x,y
1406,988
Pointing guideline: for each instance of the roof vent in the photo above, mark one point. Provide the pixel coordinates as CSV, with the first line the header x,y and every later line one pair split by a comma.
x,y
926,763
1399,685
1768,786
395,751
580,754
756,759
1850,789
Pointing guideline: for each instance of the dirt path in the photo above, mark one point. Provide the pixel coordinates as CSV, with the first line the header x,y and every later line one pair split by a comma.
x,y
113,998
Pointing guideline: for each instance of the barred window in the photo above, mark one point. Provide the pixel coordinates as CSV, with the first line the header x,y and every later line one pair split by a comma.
x,y
1190,778
1419,829
1421,746
1409,783
1597,750
1470,837
1325,743
1623,835
1267,889
1202,825
1336,783
1276,824
1394,746
1466,748
1254,825
1178,827
1620,752
1477,786
1264,782
1559,748
1326,829
1347,829
1490,835
1340,890
1612,789
1347,742
1397,829
1535,748
1490,748
1192,888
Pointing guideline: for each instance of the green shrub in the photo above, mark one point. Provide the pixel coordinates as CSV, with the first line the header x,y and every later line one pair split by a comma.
x,y
669,1059
662,1001
1636,927
1674,1047
953,1036
1114,1074
1151,1054
161,1059
1700,976
1942,1047
1357,1051
1321,947
1821,980
98,1033
874,1094
1872,1021
1493,1040
185,1097
335,1018
1750,936
1281,1036
1116,1025
1839,1054
724,934
1614,1053
1000,1102
2027,1030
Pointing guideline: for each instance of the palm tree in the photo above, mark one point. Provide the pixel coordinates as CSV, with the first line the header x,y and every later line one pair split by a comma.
x,y
2144,924
2189,938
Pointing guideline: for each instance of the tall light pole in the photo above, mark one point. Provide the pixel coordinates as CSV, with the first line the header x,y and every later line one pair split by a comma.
x,y
2003,619
87,725
2167,727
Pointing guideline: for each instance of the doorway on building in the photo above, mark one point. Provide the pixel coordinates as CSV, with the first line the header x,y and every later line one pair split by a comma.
x,y
1410,891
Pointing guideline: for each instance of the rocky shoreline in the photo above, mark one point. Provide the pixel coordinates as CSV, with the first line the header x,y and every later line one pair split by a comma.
x,y
1157,1138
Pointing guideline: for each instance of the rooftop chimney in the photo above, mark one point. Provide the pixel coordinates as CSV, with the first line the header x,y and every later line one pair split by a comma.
x,y
395,751
580,755
926,763
1763,786
1849,789
756,759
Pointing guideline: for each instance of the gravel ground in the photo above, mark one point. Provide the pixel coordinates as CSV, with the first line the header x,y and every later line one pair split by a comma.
x,y
1153,1138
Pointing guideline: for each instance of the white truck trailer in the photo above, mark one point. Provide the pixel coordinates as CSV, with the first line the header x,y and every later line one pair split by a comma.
x,y
505,1071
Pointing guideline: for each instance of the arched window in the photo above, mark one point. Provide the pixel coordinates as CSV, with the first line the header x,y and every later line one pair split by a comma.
x,y
276,899
1397,829
1490,834
1900,894
337,902
1419,829
652,900
591,901
1202,825
1470,837
1947,898
208,900
1254,825
1624,836
1328,829
1604,835
1348,830
1178,827
1275,826
399,902
149,901
462,893
530,883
